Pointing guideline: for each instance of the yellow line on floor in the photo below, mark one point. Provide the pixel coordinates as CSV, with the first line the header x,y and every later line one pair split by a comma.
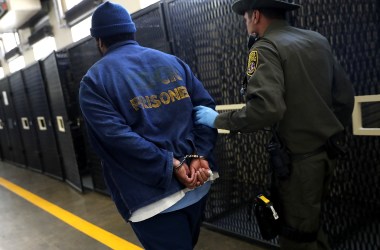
x,y
85,227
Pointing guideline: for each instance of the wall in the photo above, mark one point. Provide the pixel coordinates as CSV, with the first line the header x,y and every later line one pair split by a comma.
x,y
62,33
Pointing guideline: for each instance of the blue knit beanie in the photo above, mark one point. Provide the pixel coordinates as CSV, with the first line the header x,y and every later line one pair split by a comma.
x,y
111,19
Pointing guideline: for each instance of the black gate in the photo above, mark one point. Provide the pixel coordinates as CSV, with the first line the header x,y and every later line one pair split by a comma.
x,y
35,89
6,143
56,72
151,28
13,124
24,116
82,56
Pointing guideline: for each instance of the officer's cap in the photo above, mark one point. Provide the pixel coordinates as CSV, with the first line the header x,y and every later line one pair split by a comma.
x,y
241,6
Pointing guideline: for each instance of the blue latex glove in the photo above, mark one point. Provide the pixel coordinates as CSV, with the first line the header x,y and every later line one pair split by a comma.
x,y
205,116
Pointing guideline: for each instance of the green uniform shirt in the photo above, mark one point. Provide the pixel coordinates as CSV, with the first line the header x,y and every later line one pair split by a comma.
x,y
293,80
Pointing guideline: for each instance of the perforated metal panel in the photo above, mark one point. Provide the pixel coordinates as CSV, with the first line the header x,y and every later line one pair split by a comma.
x,y
56,72
151,29
5,133
24,115
81,57
6,152
242,176
43,122
212,40
370,115
13,124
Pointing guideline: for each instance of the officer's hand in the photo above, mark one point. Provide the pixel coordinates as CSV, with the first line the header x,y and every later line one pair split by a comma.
x,y
205,116
201,169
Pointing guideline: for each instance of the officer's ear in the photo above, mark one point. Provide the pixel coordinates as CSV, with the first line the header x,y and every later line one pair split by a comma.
x,y
256,15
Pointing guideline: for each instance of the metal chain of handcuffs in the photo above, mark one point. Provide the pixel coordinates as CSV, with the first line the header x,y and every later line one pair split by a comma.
x,y
176,168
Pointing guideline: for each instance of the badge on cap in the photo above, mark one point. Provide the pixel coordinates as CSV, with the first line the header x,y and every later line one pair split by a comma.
x,y
253,62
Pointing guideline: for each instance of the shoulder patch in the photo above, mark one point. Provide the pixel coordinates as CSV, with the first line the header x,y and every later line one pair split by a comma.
x,y
253,62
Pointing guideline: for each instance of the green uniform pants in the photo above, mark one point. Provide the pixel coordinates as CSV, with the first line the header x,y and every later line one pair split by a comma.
x,y
301,197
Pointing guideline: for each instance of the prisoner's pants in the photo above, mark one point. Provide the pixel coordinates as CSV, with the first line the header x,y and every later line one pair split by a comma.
x,y
173,230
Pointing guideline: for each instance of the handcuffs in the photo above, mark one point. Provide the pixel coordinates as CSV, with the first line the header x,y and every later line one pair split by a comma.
x,y
187,157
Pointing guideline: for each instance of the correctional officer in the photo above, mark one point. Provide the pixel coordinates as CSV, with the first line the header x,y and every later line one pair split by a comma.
x,y
294,85
137,103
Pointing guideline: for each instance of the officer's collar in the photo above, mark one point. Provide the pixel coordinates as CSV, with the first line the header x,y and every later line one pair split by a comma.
x,y
252,39
276,24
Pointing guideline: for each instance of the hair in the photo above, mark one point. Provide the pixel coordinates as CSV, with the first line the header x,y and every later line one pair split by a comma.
x,y
271,13
111,40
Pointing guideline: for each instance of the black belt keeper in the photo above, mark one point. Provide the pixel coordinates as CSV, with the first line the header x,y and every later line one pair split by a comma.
x,y
336,145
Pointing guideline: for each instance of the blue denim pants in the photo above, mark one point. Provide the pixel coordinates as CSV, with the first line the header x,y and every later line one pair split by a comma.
x,y
177,230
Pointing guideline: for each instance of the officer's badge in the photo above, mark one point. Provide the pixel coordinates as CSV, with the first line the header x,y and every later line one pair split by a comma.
x,y
253,61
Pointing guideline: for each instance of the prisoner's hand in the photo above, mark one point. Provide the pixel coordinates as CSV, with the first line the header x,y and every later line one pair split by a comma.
x,y
201,169
184,174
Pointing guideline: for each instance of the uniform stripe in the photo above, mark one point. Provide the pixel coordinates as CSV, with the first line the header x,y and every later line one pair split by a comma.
x,y
229,107
95,232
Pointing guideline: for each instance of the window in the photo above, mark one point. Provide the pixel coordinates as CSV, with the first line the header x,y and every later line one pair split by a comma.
x,y
2,49
10,41
62,6
44,47
145,3
16,64
81,30
70,3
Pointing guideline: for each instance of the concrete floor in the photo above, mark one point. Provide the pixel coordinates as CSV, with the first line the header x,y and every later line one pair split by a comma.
x,y
26,226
